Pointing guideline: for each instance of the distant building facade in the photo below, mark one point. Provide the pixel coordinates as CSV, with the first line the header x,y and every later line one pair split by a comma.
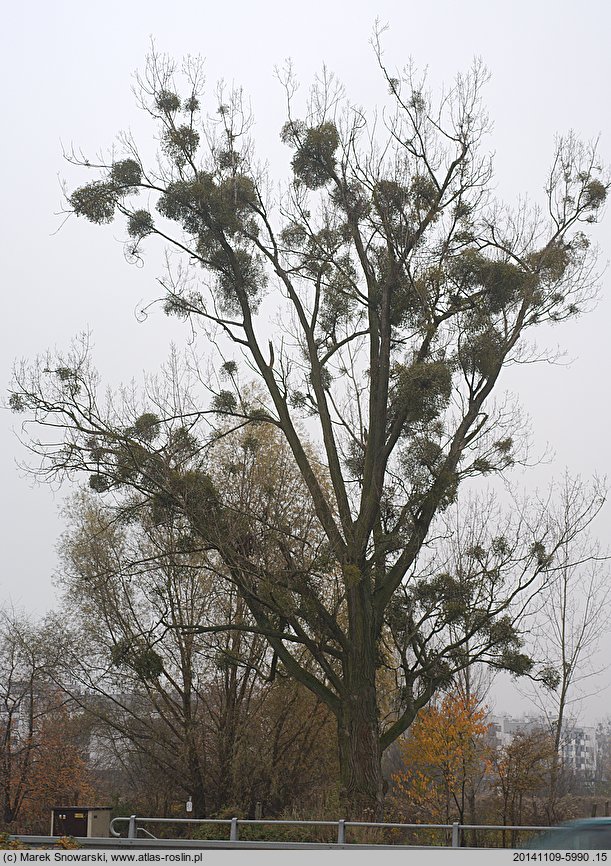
x,y
581,750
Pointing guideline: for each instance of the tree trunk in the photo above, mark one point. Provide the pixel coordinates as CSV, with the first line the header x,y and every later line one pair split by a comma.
x,y
198,799
557,762
361,791
196,780
471,800
360,754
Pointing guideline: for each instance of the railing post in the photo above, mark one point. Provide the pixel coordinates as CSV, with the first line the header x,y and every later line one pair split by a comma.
x,y
233,831
132,830
455,835
341,831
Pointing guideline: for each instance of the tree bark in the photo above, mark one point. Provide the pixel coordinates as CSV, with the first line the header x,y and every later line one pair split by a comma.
x,y
196,782
360,752
361,791
198,799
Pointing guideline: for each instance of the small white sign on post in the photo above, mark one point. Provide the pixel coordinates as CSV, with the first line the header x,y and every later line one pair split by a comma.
x,y
189,806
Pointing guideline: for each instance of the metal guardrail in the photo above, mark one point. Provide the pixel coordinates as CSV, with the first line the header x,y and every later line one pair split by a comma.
x,y
454,831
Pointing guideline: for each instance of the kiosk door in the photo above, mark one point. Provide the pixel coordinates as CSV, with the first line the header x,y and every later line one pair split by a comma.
x,y
69,822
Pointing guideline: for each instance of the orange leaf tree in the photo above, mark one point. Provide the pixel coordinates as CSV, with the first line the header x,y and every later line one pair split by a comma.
x,y
58,773
445,757
41,763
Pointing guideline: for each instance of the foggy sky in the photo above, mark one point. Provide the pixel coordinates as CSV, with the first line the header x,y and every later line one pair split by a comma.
x,y
67,73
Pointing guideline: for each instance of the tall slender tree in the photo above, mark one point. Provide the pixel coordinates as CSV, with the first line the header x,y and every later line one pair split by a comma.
x,y
567,627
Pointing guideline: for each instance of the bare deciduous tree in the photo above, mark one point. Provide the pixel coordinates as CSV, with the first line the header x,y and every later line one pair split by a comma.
x,y
401,290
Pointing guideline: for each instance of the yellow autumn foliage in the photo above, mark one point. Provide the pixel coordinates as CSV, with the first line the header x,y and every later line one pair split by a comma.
x,y
444,756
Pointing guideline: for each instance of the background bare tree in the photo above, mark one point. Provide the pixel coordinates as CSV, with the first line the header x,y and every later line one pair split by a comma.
x,y
162,652
567,623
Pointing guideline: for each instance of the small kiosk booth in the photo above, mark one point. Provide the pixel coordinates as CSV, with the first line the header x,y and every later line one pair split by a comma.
x,y
81,821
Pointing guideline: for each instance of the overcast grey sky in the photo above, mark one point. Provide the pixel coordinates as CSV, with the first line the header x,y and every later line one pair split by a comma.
x,y
67,71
